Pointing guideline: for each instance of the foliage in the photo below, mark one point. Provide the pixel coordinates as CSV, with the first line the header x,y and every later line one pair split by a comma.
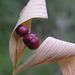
x,y
61,24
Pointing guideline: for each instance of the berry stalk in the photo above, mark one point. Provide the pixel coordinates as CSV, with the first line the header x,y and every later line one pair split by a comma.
x,y
17,58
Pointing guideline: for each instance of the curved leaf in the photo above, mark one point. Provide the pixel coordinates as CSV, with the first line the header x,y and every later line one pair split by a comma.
x,y
34,9
51,50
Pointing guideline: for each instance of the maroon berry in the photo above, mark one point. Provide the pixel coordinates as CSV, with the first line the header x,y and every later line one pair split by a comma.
x,y
31,40
22,30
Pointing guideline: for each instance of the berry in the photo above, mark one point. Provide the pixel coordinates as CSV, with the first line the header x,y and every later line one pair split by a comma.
x,y
22,30
31,40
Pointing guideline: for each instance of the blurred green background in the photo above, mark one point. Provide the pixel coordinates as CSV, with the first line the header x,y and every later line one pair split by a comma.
x,y
60,24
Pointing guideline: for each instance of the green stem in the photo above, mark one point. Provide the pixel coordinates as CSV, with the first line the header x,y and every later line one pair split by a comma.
x,y
17,57
14,71
22,49
20,52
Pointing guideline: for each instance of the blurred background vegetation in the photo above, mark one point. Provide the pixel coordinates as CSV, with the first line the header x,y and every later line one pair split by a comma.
x,y
60,24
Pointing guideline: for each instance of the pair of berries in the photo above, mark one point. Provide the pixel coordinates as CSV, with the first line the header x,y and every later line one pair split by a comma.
x,y
30,39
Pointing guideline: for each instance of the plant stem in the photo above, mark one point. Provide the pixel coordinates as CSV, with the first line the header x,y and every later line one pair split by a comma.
x,y
14,70
22,49
15,66
20,53
17,57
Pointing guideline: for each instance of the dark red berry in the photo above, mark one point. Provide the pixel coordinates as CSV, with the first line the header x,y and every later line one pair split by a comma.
x,y
31,41
22,30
